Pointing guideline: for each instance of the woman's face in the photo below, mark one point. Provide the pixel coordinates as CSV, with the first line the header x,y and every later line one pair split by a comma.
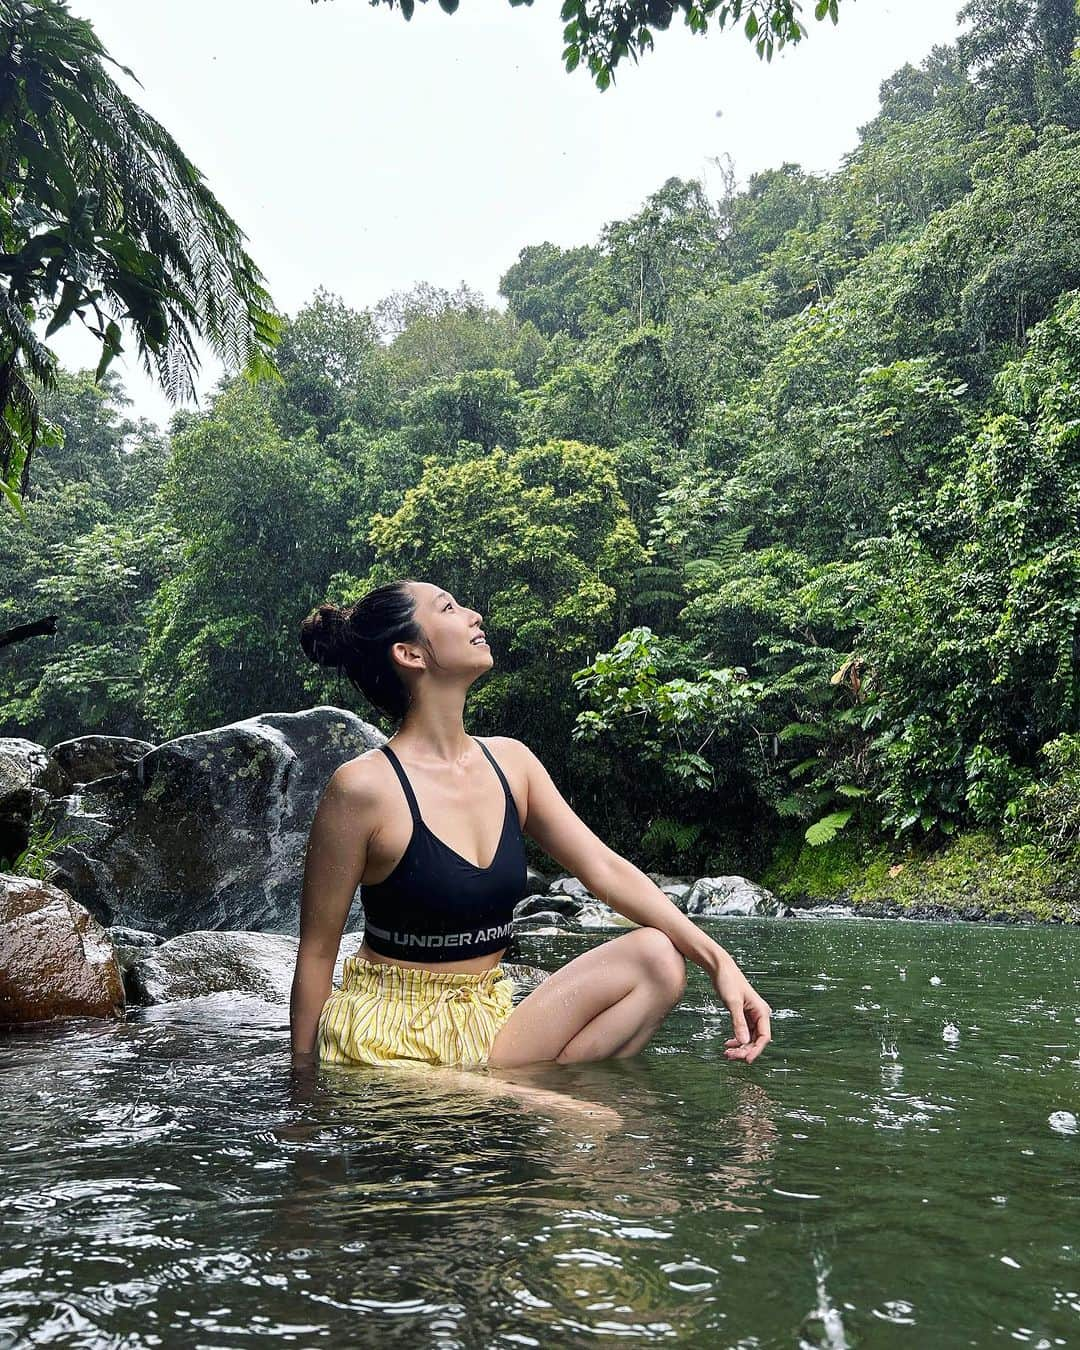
x,y
452,629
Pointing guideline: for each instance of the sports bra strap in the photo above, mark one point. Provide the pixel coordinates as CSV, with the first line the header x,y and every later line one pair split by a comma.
x,y
410,796
494,765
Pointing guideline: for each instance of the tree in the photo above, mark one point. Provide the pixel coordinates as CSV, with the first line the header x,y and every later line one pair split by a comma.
x,y
264,523
547,286
333,366
479,407
775,201
602,32
665,252
973,630
453,339
542,542
101,211
1022,55
395,312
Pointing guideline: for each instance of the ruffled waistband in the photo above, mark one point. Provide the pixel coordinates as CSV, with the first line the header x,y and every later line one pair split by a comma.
x,y
408,980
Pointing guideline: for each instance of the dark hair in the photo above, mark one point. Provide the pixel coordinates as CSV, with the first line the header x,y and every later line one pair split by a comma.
x,y
356,641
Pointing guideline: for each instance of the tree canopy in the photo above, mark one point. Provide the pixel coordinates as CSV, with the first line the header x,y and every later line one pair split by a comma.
x,y
103,217
601,33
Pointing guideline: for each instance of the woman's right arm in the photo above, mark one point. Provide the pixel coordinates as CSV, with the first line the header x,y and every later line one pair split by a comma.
x,y
334,863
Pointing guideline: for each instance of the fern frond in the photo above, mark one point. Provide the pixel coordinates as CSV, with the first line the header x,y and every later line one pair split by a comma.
x,y
826,828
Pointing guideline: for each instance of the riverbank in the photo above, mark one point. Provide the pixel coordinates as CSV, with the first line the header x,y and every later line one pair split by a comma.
x,y
973,878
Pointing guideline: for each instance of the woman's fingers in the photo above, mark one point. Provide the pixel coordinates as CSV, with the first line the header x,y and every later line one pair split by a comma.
x,y
757,1014
738,1024
749,1016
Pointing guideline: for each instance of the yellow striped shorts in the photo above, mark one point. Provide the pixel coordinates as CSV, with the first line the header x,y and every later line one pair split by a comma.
x,y
383,1013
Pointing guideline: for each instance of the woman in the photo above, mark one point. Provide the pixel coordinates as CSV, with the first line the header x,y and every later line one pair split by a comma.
x,y
431,824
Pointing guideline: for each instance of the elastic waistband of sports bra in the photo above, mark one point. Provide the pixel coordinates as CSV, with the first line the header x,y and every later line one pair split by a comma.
x,y
408,979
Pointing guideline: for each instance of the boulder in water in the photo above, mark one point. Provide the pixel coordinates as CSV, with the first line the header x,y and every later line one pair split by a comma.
x,y
56,960
134,937
213,962
85,759
571,886
567,905
595,914
675,888
715,897
208,831
544,920
526,978
129,945
23,766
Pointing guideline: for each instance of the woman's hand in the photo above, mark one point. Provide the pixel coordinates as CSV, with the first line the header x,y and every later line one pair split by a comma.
x,y
749,1011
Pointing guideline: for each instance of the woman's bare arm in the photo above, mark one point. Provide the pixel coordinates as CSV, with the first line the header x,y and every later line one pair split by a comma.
x,y
564,836
336,856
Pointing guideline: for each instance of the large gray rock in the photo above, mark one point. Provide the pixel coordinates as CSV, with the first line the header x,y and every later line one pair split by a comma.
x,y
536,882
85,759
594,913
715,897
208,831
590,912
566,905
677,889
526,978
134,937
195,964
544,921
23,765
571,886
130,944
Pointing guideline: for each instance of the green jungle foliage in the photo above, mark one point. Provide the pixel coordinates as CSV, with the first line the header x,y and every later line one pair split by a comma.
x,y
603,32
771,504
103,217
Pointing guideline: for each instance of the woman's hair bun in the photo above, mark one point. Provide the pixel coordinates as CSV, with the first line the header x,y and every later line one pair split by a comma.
x,y
356,642
323,635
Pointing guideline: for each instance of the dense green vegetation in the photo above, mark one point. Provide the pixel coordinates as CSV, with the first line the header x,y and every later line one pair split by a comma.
x,y
775,498
104,218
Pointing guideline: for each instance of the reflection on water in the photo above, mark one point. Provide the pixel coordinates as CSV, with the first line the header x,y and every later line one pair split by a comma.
x,y
899,1168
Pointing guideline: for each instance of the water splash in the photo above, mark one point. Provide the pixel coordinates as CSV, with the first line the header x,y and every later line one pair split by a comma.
x,y
823,1326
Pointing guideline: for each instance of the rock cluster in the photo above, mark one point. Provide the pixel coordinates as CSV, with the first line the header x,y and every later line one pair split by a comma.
x,y
203,831
180,865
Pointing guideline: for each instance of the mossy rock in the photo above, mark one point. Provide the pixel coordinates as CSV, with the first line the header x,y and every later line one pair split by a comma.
x,y
974,877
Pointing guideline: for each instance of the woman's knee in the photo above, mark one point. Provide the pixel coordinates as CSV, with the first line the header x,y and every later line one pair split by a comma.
x,y
661,961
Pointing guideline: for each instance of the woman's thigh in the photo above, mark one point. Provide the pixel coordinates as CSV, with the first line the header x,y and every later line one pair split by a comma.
x,y
545,1020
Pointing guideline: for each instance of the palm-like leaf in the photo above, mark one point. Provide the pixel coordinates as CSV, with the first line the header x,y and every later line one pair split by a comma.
x,y
99,203
713,566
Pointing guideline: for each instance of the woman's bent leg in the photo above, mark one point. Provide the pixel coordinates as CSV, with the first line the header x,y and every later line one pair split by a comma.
x,y
606,1003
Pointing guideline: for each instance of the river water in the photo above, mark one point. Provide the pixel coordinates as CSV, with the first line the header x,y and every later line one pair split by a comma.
x,y
901,1167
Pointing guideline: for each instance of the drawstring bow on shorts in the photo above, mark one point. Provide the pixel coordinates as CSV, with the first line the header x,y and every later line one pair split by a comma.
x,y
452,997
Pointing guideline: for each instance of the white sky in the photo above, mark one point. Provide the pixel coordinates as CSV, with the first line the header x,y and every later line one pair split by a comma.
x,y
364,153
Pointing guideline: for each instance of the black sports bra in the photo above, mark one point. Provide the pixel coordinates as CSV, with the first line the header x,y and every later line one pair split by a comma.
x,y
436,905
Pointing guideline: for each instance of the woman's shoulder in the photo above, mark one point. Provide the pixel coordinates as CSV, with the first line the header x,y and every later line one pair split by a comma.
x,y
513,754
362,775
505,744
